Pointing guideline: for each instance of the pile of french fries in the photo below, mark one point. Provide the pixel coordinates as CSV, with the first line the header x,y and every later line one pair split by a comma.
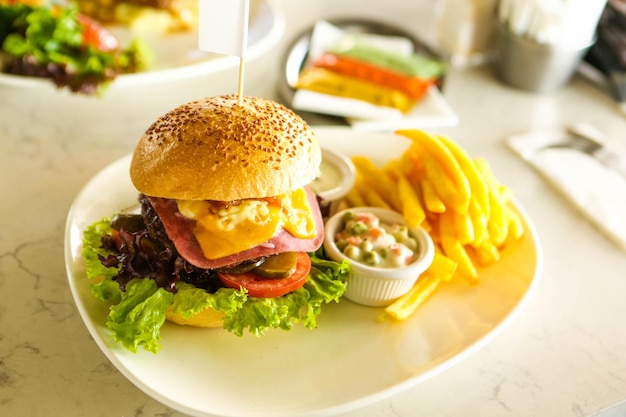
x,y
435,184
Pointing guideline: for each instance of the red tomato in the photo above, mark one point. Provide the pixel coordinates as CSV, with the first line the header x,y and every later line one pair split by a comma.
x,y
115,234
262,287
97,36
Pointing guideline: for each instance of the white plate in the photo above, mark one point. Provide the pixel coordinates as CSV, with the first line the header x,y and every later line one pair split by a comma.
x,y
432,111
349,361
177,56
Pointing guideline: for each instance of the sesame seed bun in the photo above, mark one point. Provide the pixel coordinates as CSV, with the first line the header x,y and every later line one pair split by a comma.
x,y
216,149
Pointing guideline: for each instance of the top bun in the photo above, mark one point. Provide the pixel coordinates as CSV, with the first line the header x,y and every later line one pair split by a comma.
x,y
216,149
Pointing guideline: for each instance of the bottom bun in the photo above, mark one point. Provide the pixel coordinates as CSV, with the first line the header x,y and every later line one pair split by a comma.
x,y
205,318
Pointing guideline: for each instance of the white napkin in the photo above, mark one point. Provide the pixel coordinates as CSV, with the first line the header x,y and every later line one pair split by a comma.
x,y
599,193
313,101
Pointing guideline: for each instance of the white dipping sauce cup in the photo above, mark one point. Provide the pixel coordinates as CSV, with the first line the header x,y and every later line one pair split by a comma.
x,y
379,286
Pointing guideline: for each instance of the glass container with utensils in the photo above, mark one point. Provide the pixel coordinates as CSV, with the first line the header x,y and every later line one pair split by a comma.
x,y
540,43
464,30
529,65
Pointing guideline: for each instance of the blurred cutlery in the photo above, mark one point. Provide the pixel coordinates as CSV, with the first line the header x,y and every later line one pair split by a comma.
x,y
585,139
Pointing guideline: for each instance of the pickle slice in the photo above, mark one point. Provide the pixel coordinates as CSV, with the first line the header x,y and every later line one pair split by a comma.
x,y
278,266
241,267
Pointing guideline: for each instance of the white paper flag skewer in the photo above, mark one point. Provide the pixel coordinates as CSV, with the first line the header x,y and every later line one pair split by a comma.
x,y
223,29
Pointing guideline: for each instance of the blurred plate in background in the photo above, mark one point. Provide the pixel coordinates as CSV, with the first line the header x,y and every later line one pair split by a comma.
x,y
431,111
180,73
176,55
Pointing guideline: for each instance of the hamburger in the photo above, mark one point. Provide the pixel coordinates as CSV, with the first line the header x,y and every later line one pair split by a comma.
x,y
226,232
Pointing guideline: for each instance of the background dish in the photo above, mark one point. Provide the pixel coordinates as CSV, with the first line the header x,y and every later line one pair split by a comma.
x,y
432,110
320,372
176,55
131,103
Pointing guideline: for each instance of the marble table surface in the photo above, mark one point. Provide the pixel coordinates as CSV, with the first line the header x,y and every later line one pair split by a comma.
x,y
564,355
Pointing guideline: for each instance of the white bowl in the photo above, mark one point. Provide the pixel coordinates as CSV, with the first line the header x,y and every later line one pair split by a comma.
x,y
379,286
337,178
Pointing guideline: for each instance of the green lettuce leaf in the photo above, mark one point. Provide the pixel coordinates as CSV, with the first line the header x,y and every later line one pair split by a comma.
x,y
101,283
137,319
136,315
326,283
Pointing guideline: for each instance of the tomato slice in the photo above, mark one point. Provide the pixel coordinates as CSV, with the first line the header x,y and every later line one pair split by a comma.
x,y
262,287
115,234
97,36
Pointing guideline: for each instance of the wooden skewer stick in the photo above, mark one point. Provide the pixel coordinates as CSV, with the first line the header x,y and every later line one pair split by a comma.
x,y
241,76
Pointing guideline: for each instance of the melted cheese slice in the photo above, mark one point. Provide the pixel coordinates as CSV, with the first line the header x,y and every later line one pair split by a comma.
x,y
223,231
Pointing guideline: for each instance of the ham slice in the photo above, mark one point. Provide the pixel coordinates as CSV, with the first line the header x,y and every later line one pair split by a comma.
x,y
179,229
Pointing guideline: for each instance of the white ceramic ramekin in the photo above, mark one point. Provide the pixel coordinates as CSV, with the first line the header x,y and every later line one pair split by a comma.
x,y
377,286
337,178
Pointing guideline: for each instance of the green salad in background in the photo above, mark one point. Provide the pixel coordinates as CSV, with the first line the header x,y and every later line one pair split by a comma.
x,y
70,49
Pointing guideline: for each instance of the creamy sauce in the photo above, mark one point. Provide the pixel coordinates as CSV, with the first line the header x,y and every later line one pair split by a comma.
x,y
330,178
366,239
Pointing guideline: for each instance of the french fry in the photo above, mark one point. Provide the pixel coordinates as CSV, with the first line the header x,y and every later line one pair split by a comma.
x,y
455,250
406,305
378,180
478,186
444,187
412,209
486,253
463,226
410,197
405,163
415,182
427,226
370,196
433,220
497,224
441,269
479,223
374,200
354,199
516,227
467,270
505,193
431,145
483,166
501,192
431,199
442,266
